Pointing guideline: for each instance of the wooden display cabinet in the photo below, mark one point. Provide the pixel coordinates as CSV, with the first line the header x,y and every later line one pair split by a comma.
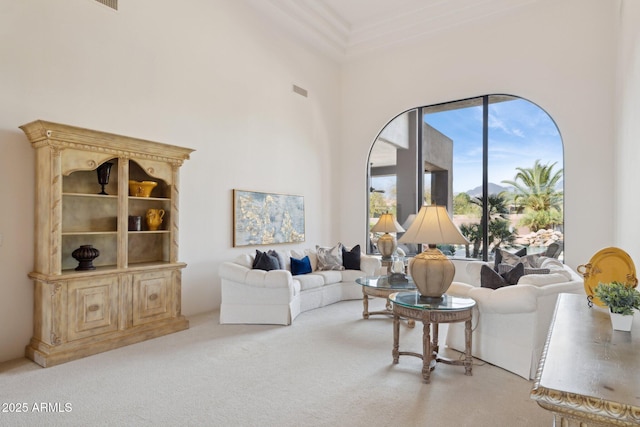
x,y
134,292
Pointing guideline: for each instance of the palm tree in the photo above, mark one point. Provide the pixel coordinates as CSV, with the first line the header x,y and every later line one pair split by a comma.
x,y
536,191
499,230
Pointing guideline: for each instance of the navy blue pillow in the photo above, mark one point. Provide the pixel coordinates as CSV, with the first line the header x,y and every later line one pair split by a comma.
x,y
351,259
300,266
266,262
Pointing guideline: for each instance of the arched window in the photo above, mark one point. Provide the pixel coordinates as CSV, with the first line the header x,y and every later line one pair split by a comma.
x,y
495,162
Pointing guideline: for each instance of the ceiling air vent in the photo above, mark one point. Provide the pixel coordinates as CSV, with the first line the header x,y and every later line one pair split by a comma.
x,y
113,4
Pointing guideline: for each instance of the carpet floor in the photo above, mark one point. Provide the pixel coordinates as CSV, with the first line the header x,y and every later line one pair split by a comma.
x,y
329,368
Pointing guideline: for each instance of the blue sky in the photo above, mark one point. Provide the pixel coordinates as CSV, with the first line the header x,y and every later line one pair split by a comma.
x,y
519,133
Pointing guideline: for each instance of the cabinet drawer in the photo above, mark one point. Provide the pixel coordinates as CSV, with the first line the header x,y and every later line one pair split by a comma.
x,y
93,307
151,296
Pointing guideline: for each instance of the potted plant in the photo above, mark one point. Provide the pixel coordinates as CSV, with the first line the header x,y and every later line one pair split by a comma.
x,y
622,300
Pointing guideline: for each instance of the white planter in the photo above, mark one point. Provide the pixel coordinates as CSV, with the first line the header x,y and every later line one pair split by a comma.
x,y
621,322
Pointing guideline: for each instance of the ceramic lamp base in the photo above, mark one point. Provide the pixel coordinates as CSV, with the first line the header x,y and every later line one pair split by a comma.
x,y
432,272
387,245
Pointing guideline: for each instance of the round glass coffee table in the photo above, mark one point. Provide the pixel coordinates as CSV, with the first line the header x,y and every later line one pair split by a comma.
x,y
432,311
382,287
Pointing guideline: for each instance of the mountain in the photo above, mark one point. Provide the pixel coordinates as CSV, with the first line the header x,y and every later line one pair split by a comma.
x,y
493,189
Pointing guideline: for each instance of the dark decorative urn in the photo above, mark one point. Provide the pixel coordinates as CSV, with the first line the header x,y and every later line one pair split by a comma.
x,y
85,255
104,170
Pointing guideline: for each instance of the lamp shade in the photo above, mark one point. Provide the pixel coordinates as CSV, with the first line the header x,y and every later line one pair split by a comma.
x,y
432,225
387,243
387,224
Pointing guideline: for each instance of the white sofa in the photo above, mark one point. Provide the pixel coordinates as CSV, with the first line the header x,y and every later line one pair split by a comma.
x,y
510,323
276,296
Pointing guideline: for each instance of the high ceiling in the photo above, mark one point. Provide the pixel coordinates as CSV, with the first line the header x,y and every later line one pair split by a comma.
x,y
348,28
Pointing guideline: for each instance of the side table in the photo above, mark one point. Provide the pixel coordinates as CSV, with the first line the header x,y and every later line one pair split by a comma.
x,y
381,287
432,311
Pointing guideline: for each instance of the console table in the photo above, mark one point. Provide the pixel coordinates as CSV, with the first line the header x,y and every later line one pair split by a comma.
x,y
589,374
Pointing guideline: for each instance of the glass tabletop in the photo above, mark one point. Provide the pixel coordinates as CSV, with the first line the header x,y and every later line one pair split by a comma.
x,y
415,300
383,282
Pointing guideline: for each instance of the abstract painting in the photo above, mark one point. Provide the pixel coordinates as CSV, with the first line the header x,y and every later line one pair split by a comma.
x,y
267,218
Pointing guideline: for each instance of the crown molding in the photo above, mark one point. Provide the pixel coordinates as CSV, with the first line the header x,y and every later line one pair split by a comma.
x,y
344,29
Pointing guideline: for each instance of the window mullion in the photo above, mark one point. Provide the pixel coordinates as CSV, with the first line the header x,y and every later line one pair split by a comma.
x,y
485,178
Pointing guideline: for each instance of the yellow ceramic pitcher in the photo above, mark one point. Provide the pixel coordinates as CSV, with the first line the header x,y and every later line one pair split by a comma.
x,y
154,218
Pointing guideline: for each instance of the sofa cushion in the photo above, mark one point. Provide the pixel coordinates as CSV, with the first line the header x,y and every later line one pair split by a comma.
x,y
300,266
330,276
542,279
330,258
351,275
555,266
473,271
351,258
264,261
310,281
489,278
245,260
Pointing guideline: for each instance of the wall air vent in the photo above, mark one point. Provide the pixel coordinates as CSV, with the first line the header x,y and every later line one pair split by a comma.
x,y
113,4
300,91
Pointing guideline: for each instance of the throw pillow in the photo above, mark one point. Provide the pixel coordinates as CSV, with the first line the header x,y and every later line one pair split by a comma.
x,y
281,263
330,258
264,261
504,257
529,261
489,278
300,266
351,259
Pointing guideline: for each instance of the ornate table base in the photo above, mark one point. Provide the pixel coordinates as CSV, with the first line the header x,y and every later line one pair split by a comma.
x,y
379,293
432,316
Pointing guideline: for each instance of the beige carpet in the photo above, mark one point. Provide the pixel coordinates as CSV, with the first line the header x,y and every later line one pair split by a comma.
x,y
330,368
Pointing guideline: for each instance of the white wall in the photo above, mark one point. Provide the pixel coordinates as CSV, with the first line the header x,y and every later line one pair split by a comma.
x,y
559,55
205,74
209,75
628,133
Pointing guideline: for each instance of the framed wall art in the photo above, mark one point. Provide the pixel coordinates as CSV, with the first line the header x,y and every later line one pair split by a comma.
x,y
267,218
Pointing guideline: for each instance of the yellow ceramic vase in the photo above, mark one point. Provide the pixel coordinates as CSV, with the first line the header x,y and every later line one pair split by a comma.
x,y
154,218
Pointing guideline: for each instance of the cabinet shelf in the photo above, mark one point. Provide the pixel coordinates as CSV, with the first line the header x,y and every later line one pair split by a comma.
x,y
161,199
88,233
100,269
90,195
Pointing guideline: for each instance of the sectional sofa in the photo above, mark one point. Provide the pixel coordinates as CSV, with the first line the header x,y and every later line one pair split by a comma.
x,y
277,296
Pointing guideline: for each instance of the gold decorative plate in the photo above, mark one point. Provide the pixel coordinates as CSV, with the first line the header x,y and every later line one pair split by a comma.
x,y
607,265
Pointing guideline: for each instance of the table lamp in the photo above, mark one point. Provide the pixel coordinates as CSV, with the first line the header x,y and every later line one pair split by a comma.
x,y
387,243
431,270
